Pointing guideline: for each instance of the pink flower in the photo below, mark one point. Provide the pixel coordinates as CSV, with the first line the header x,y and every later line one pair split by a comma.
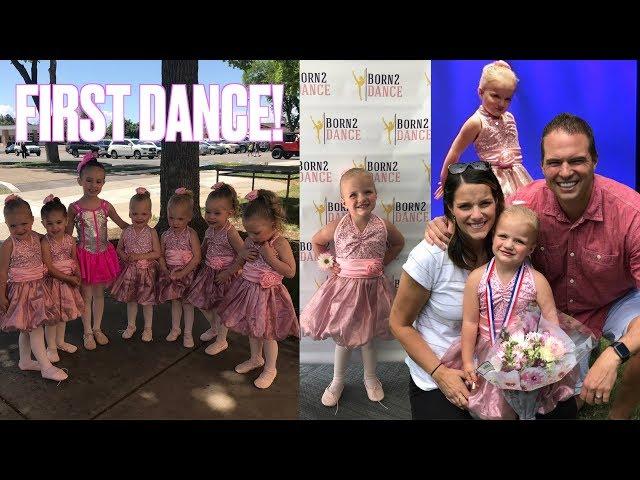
x,y
10,197
181,191
252,195
48,198
270,279
374,269
217,186
141,190
216,263
85,159
532,378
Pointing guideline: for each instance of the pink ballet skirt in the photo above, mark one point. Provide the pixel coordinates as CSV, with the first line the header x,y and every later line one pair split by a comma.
x,y
137,280
177,254
66,301
487,402
498,144
26,289
354,306
96,255
205,293
258,304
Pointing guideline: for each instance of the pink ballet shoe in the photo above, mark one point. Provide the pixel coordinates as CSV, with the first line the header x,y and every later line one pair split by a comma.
x,y
187,340
101,338
89,341
129,331
52,355
67,347
209,335
249,365
265,379
54,373
330,398
29,365
374,390
147,335
173,335
216,347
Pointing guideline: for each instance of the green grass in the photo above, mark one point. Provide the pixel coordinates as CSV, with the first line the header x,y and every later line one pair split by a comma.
x,y
4,190
600,412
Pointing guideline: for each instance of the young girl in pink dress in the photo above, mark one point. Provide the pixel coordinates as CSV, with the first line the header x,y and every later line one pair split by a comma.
x,y
493,131
62,278
23,295
222,243
181,254
257,304
139,251
514,284
353,306
97,257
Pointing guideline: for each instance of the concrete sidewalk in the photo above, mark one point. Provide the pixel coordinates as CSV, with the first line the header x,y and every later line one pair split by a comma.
x,y
160,380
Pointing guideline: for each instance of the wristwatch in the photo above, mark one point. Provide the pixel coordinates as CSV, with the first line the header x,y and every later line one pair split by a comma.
x,y
622,351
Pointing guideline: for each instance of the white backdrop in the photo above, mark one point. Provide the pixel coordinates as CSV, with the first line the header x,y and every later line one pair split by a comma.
x,y
371,114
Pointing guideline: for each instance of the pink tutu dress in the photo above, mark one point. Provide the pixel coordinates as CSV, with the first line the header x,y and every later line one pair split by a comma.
x,y
178,252
137,280
258,304
205,293
486,401
26,290
353,307
498,142
66,300
97,257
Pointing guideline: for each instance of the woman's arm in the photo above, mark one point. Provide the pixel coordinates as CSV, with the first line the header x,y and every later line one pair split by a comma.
x,y
395,242
409,300
470,320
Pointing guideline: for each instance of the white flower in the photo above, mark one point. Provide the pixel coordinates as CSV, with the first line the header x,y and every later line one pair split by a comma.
x,y
325,261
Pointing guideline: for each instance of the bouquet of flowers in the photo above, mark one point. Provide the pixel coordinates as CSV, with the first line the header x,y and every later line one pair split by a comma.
x,y
532,353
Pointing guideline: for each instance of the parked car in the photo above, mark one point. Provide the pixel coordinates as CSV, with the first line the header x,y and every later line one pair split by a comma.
x,y
289,147
244,145
10,148
132,147
216,148
103,147
203,148
158,146
229,147
76,148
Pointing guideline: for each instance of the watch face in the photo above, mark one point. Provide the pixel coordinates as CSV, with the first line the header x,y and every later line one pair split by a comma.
x,y
622,350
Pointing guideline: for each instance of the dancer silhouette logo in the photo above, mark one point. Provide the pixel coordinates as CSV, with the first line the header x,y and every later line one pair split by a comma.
x,y
327,211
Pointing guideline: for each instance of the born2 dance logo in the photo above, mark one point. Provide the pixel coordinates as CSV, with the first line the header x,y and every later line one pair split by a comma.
x,y
315,84
336,128
371,84
401,130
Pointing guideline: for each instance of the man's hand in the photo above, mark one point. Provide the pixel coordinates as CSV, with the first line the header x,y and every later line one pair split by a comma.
x,y
439,232
600,378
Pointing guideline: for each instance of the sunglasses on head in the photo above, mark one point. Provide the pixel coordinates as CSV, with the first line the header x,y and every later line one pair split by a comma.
x,y
456,168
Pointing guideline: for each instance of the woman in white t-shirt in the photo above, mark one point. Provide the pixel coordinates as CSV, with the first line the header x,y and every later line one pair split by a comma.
x,y
426,316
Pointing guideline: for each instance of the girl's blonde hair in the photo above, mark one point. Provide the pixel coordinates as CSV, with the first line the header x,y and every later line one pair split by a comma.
x,y
496,71
526,215
181,197
354,172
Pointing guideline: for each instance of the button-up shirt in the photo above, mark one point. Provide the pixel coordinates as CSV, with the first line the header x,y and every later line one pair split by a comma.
x,y
594,261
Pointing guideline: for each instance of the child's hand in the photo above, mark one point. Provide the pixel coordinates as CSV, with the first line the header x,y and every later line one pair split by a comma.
x,y
176,274
470,375
223,276
335,269
74,281
248,254
268,252
133,257
4,303
440,190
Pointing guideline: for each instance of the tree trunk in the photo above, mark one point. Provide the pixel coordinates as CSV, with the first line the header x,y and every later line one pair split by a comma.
x,y
51,148
179,164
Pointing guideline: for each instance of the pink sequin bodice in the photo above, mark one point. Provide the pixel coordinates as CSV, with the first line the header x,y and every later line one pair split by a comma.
x,y
137,242
60,250
351,243
218,243
91,226
501,295
497,142
260,263
26,253
180,241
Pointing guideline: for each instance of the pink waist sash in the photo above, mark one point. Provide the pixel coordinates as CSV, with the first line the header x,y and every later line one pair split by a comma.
x,y
360,267
218,263
65,266
26,274
266,278
145,263
178,257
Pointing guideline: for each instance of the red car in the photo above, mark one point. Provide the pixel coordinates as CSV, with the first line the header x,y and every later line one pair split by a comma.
x,y
289,147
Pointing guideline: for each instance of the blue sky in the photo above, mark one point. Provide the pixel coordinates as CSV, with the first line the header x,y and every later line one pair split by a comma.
x,y
134,72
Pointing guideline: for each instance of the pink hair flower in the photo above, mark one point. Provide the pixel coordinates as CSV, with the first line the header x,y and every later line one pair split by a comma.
x,y
141,190
252,195
86,159
48,198
217,186
8,198
181,191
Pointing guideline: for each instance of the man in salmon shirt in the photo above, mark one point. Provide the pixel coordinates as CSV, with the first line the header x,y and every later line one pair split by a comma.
x,y
589,251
